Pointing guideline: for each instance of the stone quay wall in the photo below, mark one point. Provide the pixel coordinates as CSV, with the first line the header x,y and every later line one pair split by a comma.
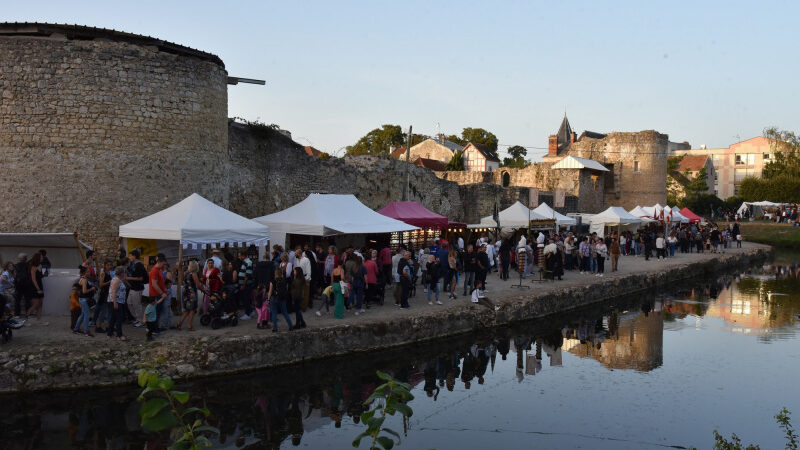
x,y
95,133
47,368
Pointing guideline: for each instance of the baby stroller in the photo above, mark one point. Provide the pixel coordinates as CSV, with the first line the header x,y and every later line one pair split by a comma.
x,y
217,316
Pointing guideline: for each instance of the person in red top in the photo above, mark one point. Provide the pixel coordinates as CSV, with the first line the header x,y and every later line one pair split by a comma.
x,y
385,261
212,277
372,275
156,282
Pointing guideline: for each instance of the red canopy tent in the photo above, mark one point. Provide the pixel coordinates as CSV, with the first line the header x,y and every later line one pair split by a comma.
x,y
415,214
693,218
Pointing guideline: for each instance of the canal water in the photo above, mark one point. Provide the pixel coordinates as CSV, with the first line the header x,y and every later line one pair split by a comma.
x,y
663,369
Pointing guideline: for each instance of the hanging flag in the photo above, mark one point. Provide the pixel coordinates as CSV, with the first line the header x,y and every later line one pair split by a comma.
x,y
496,215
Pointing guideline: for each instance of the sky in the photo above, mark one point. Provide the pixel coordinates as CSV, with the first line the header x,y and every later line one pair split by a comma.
x,y
710,73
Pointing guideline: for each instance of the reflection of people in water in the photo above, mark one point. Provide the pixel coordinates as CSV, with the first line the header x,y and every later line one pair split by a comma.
x,y
295,420
430,373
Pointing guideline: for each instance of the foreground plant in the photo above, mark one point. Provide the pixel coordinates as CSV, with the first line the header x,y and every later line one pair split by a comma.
x,y
735,443
389,398
164,409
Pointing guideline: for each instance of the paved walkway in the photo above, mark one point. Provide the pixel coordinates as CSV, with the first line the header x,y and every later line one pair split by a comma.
x,y
53,332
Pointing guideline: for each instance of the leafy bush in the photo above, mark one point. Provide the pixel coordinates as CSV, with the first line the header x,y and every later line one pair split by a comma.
x,y
780,188
389,398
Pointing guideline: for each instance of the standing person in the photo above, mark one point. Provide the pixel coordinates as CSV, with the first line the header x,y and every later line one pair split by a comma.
x,y
212,278
278,296
311,279
601,251
396,275
286,265
615,252
432,282
246,282
101,312
22,285
505,258
298,288
331,262
7,291
136,276
491,252
470,265
452,272
157,285
36,275
672,241
191,283
338,293
116,301
85,292
484,265
372,276
358,276
661,247
385,261
569,248
229,285
405,280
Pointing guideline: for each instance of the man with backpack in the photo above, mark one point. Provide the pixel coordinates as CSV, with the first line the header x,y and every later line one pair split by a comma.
x,y
23,285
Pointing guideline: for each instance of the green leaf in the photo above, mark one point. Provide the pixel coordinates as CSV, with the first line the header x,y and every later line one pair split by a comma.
x,y
145,391
164,420
194,410
165,383
375,395
375,423
152,407
383,376
152,381
206,429
366,415
404,409
180,396
391,431
357,440
385,442
142,378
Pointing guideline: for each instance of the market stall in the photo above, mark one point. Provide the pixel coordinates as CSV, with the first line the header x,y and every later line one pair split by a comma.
x,y
757,209
643,214
561,220
615,217
431,225
693,218
515,216
330,215
192,224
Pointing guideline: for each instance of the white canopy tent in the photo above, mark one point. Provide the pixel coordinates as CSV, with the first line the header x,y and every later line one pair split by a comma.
x,y
615,216
328,215
195,221
515,216
642,214
763,204
545,210
677,217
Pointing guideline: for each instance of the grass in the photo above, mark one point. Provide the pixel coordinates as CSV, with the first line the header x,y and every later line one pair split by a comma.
x,y
781,236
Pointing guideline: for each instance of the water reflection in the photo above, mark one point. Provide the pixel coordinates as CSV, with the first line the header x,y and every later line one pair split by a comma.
x,y
282,407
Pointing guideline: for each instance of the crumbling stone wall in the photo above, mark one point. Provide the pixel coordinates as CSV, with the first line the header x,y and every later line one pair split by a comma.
x,y
271,172
96,133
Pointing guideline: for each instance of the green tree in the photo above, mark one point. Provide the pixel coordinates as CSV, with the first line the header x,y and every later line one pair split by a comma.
x,y
785,147
517,157
698,184
456,139
456,162
481,136
378,141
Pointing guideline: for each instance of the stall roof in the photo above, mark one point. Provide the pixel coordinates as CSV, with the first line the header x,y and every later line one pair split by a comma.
x,y
643,214
197,221
328,215
515,216
545,210
573,162
415,214
63,249
686,212
615,215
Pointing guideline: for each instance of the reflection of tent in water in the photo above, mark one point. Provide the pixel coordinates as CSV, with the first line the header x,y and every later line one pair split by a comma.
x,y
637,344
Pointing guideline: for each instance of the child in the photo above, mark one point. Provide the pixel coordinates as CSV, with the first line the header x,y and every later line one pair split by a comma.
x,y
150,316
262,307
478,297
74,305
164,312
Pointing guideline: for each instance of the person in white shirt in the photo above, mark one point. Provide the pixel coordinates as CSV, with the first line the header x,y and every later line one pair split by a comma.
x,y
522,241
478,297
660,247
304,263
460,243
490,252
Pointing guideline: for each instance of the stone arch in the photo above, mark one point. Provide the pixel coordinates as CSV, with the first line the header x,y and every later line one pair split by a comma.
x,y
505,178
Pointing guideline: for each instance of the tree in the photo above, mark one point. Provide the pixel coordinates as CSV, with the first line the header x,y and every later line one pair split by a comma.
x,y
517,159
456,162
698,184
456,139
785,147
481,136
378,141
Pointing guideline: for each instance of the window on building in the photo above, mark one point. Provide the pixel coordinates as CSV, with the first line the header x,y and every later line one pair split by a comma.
x,y
740,159
506,179
716,177
767,157
636,167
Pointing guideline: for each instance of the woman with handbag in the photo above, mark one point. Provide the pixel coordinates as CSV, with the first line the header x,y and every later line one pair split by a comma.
x,y
191,282
338,291
278,295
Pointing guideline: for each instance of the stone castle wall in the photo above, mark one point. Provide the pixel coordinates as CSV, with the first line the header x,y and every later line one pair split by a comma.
x,y
640,166
96,133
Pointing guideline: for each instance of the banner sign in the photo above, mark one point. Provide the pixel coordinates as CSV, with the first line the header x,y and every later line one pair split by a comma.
x,y
559,195
533,198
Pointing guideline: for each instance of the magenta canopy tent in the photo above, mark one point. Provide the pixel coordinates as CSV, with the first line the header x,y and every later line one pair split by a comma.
x,y
414,214
686,212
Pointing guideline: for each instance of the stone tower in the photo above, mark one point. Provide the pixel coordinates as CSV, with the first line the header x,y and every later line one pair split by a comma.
x,y
100,127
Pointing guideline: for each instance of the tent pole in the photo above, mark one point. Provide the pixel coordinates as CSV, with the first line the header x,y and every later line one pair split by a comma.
x,y
179,281
80,247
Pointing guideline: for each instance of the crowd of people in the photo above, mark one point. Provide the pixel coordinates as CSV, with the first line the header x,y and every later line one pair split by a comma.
x,y
285,285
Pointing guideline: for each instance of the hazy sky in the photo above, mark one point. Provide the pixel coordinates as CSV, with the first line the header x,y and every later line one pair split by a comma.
x,y
707,72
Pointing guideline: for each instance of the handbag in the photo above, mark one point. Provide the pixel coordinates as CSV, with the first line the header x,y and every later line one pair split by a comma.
x,y
345,291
